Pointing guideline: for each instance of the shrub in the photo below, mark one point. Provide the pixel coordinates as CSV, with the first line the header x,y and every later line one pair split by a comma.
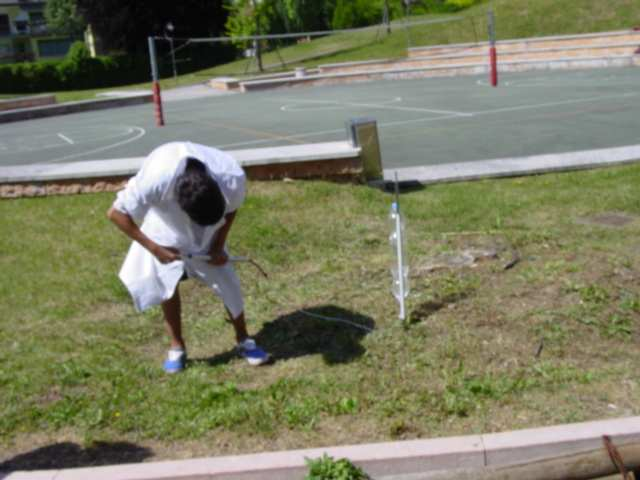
x,y
76,71
356,13
326,468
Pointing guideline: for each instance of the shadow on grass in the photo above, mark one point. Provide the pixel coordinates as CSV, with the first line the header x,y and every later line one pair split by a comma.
x,y
72,455
303,332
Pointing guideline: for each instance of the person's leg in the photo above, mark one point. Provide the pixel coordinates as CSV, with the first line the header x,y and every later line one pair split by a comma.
x,y
225,283
173,320
239,326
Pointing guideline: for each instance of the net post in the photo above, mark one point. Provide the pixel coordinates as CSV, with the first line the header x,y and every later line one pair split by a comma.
x,y
493,56
155,84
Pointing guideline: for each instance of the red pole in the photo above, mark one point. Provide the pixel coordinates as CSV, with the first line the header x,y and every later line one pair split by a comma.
x,y
157,102
493,57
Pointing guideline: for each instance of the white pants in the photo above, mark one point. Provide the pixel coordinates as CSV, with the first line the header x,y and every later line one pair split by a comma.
x,y
150,282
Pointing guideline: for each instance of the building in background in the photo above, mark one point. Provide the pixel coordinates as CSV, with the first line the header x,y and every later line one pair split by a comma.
x,y
24,36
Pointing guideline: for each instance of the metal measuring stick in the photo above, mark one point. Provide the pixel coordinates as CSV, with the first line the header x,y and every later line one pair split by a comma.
x,y
231,258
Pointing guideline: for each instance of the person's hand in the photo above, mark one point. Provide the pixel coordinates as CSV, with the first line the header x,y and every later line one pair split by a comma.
x,y
165,254
218,258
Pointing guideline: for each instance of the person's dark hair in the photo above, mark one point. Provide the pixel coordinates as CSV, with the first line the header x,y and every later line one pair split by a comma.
x,y
199,195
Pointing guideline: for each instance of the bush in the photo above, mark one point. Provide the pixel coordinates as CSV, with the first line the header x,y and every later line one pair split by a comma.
x,y
326,468
76,71
356,13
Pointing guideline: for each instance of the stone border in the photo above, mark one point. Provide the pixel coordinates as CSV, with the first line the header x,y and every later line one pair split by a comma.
x,y
381,460
332,160
517,166
72,107
28,101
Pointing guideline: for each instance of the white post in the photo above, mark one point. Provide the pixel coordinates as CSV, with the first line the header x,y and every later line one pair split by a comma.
x,y
399,254
400,287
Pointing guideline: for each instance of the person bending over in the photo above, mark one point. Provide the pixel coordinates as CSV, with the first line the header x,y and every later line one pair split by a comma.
x,y
185,197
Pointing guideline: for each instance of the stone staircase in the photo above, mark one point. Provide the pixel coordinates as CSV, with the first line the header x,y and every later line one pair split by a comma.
x,y
596,50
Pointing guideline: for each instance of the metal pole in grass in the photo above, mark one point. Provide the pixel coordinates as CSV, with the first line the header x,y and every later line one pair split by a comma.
x,y
256,41
493,56
386,17
400,267
155,85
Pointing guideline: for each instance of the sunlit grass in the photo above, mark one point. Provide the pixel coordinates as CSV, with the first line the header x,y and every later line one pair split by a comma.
x,y
486,349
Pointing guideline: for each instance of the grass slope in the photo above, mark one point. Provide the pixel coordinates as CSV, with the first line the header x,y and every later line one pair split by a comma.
x,y
515,19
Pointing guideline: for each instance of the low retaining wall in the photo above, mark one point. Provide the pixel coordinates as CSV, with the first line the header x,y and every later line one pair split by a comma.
x,y
381,460
27,102
331,160
71,107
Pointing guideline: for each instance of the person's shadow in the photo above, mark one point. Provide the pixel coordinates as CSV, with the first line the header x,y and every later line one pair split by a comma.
x,y
332,331
71,455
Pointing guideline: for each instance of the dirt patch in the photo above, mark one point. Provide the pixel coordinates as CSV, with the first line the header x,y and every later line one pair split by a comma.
x,y
608,219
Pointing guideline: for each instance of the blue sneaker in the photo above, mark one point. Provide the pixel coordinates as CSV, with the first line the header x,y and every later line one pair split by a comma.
x,y
252,353
176,361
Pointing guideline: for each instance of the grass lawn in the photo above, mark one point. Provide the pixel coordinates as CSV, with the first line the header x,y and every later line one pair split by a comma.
x,y
549,340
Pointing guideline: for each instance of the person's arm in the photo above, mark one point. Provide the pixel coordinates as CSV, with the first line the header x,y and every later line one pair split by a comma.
x,y
126,224
217,253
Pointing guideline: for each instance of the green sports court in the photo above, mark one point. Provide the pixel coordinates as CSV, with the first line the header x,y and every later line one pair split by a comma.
x,y
421,122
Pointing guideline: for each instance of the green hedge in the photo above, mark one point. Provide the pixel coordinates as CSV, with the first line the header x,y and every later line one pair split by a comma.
x,y
78,71
67,75
75,72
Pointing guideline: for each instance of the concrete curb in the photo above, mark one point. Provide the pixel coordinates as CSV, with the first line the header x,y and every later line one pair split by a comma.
x,y
72,107
26,102
121,167
381,460
511,167
449,70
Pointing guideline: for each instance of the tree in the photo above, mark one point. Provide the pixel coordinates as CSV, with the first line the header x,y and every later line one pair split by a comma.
x,y
124,25
62,17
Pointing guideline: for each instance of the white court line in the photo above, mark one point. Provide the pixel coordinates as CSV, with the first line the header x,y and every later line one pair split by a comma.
x,y
379,106
141,132
337,130
444,117
555,104
66,139
542,82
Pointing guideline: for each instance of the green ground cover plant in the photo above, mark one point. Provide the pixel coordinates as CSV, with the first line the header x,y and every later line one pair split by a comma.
x,y
327,468
539,331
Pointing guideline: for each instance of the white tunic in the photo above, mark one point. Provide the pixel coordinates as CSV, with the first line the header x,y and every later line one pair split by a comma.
x,y
149,198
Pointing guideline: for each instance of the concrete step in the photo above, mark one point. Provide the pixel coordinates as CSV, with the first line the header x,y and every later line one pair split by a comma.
x,y
482,56
447,70
565,41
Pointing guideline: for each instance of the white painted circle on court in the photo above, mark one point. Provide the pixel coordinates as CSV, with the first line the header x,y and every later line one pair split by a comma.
x,y
89,139
304,105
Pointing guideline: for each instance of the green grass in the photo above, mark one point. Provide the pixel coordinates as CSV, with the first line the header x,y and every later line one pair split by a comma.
x,y
515,19
487,349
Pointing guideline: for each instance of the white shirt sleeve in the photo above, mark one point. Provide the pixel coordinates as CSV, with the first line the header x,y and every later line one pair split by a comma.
x,y
145,189
237,192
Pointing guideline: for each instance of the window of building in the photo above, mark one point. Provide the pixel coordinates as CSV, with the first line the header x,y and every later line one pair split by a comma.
x,y
53,48
36,18
5,29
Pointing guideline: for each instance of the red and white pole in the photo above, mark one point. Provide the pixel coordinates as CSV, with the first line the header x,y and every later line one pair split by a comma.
x,y
157,102
493,55
157,98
